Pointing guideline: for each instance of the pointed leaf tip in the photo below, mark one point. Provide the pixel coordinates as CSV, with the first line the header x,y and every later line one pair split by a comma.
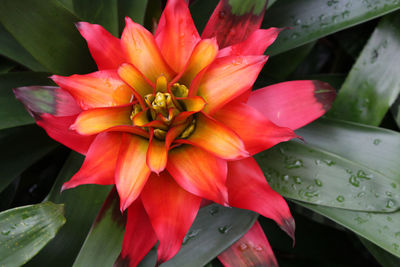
x,y
289,226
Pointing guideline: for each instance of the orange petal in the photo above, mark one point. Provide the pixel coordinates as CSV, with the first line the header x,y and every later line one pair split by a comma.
x,y
132,76
156,155
97,120
129,129
131,171
142,51
141,120
227,78
199,172
192,105
215,138
257,132
203,54
176,34
98,89
100,161
171,210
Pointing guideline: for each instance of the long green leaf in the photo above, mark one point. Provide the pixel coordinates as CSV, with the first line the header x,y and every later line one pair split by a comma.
x,y
25,230
321,176
10,48
380,229
81,207
12,112
21,147
103,244
371,146
374,81
214,230
384,258
310,20
45,28
103,12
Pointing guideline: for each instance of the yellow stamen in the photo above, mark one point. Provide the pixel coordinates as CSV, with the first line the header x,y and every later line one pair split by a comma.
x,y
136,109
161,84
189,130
179,90
160,134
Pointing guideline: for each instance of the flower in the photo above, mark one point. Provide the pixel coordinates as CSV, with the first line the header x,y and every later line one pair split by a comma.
x,y
170,119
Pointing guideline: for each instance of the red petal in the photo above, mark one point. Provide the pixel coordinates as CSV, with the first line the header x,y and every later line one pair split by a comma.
x,y
203,54
171,210
58,128
131,171
230,28
139,236
106,50
156,155
248,189
255,44
98,89
293,104
100,161
142,51
215,138
256,131
252,249
227,78
199,172
176,34
47,99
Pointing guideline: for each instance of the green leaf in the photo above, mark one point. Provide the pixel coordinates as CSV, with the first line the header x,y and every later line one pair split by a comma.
x,y
9,47
370,146
381,229
21,147
310,20
214,230
25,230
135,9
6,65
384,258
45,28
374,81
241,7
344,165
103,244
12,112
396,111
103,12
81,206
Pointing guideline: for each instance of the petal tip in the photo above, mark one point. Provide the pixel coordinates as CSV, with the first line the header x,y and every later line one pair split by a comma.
x,y
289,226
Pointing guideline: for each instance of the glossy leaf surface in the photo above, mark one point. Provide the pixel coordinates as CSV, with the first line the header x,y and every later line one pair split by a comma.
x,y
374,81
20,151
25,230
81,206
47,31
384,258
312,19
103,243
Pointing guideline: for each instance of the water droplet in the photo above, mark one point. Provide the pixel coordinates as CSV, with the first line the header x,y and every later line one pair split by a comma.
x,y
349,171
390,204
329,162
311,194
258,248
285,177
389,194
221,14
377,141
360,220
377,195
340,199
213,210
318,182
294,35
297,179
388,218
354,181
297,22
361,194
317,162
395,246
310,187
5,232
243,246
224,229
393,185
24,216
292,164
364,175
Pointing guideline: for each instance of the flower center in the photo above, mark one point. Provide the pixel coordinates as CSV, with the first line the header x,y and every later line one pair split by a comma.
x,y
164,109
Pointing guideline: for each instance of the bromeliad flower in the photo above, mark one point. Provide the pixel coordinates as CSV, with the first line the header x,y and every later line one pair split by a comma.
x,y
170,120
